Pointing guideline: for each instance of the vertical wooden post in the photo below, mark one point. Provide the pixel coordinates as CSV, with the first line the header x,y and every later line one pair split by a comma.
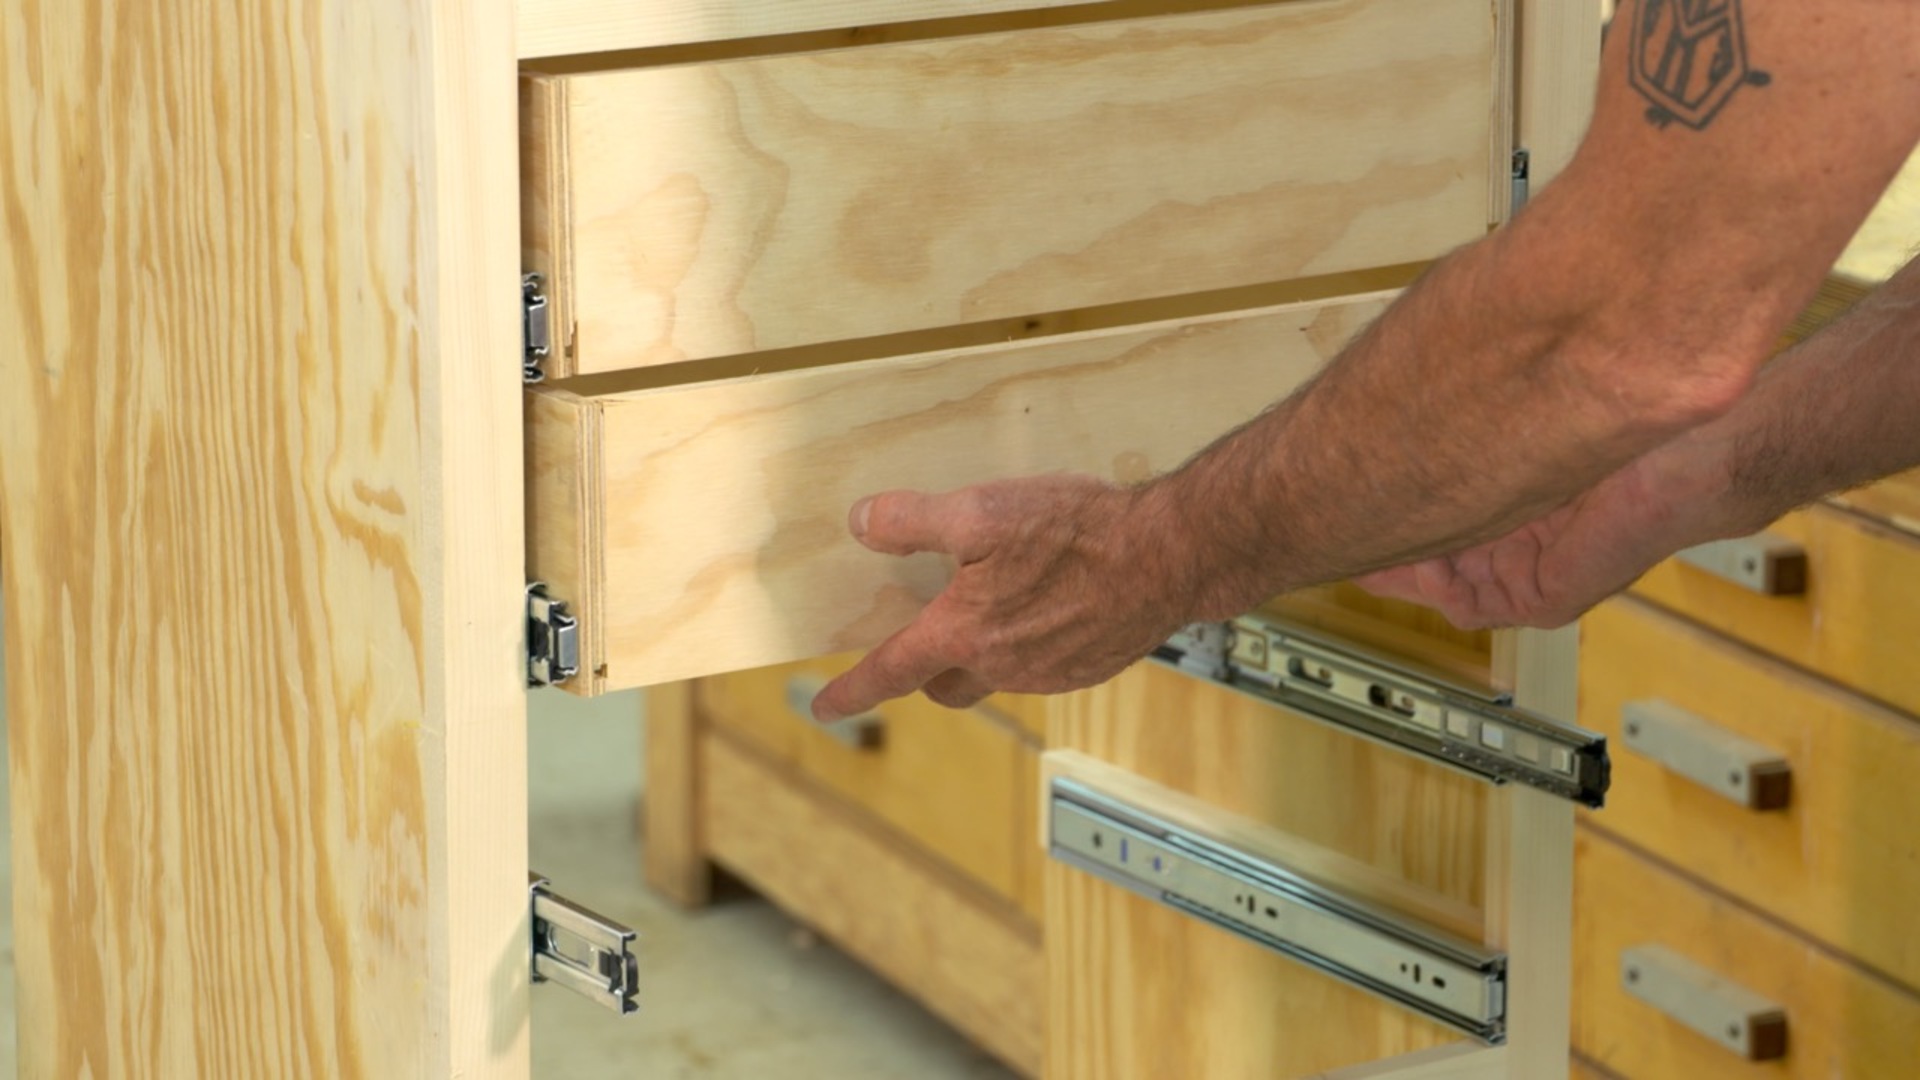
x,y
260,509
672,852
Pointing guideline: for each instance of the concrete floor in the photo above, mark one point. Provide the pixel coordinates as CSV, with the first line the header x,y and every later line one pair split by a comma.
x,y
735,991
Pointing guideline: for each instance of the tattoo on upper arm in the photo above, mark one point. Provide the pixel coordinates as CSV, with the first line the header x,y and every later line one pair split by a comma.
x,y
1688,57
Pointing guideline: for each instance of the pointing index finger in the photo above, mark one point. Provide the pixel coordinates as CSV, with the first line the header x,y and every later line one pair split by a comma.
x,y
899,666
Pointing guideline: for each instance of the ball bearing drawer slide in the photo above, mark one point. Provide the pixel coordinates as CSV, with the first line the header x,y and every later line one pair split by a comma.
x,y
1469,728
1449,980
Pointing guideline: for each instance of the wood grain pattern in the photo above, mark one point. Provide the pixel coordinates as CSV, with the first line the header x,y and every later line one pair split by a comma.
x,y
1841,1021
1857,622
721,507
948,780
259,507
1841,861
786,200
1137,990
930,931
559,27
673,853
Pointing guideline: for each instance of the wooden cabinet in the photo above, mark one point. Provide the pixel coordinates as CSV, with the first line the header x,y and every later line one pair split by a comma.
x,y
274,487
1801,901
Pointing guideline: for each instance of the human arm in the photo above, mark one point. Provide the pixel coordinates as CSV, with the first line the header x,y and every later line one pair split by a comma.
x,y
1837,411
1634,300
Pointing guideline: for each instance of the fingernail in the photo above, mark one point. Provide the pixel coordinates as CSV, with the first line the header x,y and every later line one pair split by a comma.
x,y
822,714
862,510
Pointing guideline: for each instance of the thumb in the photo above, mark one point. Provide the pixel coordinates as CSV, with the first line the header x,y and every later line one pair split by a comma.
x,y
909,522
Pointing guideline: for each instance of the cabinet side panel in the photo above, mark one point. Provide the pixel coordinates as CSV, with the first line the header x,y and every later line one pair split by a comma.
x,y
241,344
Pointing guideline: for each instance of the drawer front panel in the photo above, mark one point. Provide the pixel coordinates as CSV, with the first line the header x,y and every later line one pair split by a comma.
x,y
1856,622
950,780
1841,1021
563,27
703,210
1841,858
702,529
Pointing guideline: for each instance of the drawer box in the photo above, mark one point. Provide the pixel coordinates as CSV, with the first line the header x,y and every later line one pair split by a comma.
x,y
1857,621
699,210
1841,860
958,783
1841,1021
700,529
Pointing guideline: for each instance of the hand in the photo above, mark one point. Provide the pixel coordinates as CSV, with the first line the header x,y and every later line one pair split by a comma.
x,y
1063,581
1550,571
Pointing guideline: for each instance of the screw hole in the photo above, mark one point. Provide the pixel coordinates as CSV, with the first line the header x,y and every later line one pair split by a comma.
x,y
1736,778
1633,975
1733,1031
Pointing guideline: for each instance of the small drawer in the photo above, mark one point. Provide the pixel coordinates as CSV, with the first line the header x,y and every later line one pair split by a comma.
x,y
1854,618
1777,787
1658,958
689,211
701,528
958,783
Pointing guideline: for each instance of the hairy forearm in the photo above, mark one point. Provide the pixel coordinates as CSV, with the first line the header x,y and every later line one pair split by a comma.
x,y
1482,399
1635,300
1835,412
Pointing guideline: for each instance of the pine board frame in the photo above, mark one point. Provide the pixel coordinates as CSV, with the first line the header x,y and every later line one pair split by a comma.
x,y
259,429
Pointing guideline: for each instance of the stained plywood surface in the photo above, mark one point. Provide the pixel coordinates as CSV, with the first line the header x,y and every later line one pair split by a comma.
x,y
787,200
1841,1019
1841,859
1856,623
721,507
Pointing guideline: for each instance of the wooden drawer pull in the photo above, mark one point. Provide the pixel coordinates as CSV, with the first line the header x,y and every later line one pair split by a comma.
x,y
1731,1015
1733,766
866,731
1764,563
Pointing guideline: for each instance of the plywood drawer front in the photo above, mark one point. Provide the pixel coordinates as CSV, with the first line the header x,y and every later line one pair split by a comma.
x,y
1842,859
704,210
1841,1020
1857,622
560,27
949,780
701,529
